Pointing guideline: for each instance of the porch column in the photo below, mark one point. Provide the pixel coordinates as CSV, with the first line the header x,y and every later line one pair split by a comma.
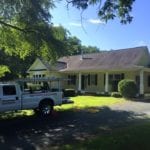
x,y
141,82
106,82
79,84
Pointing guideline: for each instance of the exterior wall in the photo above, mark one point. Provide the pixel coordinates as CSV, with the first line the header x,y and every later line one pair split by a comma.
x,y
93,88
144,61
100,87
37,65
131,75
127,75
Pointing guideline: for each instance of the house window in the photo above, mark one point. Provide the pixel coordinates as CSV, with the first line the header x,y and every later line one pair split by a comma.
x,y
37,76
115,77
148,81
92,79
71,79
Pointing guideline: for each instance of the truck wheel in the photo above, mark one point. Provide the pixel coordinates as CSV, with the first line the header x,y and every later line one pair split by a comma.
x,y
46,108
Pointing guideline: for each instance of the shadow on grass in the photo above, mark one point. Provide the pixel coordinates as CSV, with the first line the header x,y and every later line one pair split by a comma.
x,y
62,128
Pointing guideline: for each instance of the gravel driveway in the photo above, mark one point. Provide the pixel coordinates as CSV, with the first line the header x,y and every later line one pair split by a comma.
x,y
34,133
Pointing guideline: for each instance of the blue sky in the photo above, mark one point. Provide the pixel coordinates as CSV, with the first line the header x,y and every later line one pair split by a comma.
x,y
113,35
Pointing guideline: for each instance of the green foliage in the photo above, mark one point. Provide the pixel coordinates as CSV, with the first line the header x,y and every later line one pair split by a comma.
x,y
116,94
108,9
17,67
127,88
3,70
74,47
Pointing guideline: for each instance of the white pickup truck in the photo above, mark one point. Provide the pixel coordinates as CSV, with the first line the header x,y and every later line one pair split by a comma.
x,y
14,97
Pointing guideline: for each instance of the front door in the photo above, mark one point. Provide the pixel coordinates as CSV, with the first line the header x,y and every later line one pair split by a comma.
x,y
84,82
9,100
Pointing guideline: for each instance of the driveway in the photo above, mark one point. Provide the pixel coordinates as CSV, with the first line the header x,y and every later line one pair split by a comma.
x,y
34,133
138,107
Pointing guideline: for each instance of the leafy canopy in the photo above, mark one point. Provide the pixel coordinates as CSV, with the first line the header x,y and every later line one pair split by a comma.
x,y
3,70
108,9
25,25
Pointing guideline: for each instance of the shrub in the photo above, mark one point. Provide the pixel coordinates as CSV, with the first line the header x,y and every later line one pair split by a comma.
x,y
127,88
116,94
69,92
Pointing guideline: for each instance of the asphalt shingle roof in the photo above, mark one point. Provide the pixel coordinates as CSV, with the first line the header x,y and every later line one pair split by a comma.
x,y
114,59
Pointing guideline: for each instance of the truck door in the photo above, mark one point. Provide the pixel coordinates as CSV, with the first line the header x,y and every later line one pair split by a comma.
x,y
10,99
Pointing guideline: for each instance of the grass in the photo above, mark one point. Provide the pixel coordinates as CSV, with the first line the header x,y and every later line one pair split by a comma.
x,y
83,102
14,114
80,102
135,137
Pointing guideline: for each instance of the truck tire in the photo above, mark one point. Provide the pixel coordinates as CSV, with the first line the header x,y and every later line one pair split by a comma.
x,y
46,108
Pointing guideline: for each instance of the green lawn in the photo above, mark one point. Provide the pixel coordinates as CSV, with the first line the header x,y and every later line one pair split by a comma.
x,y
135,137
83,102
80,102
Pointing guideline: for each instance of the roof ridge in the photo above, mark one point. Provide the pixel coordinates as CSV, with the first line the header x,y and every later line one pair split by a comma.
x,y
107,51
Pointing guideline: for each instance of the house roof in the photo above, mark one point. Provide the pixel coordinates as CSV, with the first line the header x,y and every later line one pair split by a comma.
x,y
58,66
123,59
109,60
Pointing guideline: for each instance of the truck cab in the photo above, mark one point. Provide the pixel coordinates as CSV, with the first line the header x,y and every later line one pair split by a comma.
x,y
10,97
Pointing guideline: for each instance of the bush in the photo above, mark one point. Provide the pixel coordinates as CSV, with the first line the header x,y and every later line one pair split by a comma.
x,y
116,94
127,88
69,92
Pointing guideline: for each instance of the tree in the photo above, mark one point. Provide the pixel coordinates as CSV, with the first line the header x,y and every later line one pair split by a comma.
x,y
90,49
25,25
73,45
108,9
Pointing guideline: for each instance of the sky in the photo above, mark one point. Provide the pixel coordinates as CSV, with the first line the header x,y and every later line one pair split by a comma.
x,y
113,35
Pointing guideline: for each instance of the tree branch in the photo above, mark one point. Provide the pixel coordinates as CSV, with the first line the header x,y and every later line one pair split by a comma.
x,y
12,26
25,30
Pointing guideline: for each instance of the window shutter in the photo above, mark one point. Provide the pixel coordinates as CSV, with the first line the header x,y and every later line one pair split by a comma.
x,y
122,76
95,79
68,79
104,78
89,79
